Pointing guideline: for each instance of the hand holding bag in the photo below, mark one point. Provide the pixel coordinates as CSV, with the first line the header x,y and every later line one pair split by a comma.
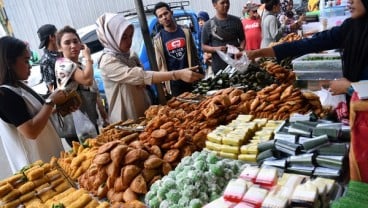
x,y
73,101
64,70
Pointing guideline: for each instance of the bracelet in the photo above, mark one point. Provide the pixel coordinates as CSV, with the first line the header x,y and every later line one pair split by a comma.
x,y
173,76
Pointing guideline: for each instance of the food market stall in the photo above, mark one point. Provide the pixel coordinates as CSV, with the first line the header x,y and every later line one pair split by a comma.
x,y
175,156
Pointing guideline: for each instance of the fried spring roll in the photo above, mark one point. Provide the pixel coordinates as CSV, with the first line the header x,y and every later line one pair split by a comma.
x,y
81,202
28,196
11,196
27,187
60,196
35,173
13,204
72,197
5,189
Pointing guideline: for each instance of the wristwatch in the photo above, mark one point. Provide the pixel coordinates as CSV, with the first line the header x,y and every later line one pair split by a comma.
x,y
49,101
350,90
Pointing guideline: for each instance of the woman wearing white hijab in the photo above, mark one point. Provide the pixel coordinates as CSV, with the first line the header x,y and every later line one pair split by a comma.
x,y
124,78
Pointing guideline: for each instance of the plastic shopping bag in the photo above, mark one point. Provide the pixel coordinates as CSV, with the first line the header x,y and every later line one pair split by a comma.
x,y
64,126
327,99
337,102
240,64
83,126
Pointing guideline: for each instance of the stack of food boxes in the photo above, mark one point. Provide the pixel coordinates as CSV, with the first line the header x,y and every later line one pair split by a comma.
x,y
263,187
240,138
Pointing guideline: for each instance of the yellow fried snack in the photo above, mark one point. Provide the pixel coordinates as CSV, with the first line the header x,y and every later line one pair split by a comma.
x,y
5,189
78,160
26,187
14,179
42,188
81,202
12,204
92,204
66,201
34,203
44,196
52,175
103,205
56,198
62,187
57,182
27,196
40,181
12,195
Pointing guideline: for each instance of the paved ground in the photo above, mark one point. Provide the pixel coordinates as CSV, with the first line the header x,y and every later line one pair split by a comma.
x,y
4,166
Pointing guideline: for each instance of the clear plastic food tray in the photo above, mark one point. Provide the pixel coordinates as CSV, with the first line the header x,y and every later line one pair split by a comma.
x,y
318,66
318,75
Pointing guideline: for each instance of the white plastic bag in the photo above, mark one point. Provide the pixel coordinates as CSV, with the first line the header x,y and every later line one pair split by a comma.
x,y
327,99
83,126
240,64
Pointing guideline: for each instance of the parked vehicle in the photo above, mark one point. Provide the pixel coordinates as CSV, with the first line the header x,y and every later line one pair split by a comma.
x,y
183,17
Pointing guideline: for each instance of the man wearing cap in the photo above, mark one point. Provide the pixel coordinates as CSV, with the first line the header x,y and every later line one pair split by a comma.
x,y
252,27
46,34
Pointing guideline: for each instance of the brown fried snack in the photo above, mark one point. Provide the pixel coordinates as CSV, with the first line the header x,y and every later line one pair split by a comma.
x,y
134,155
118,153
102,191
117,197
139,185
113,170
128,173
148,174
166,168
118,185
135,204
154,179
152,162
144,136
136,145
171,155
129,195
167,125
156,151
107,147
159,133
102,159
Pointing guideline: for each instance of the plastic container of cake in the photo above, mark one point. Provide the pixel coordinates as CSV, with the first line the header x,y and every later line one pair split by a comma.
x,y
318,66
